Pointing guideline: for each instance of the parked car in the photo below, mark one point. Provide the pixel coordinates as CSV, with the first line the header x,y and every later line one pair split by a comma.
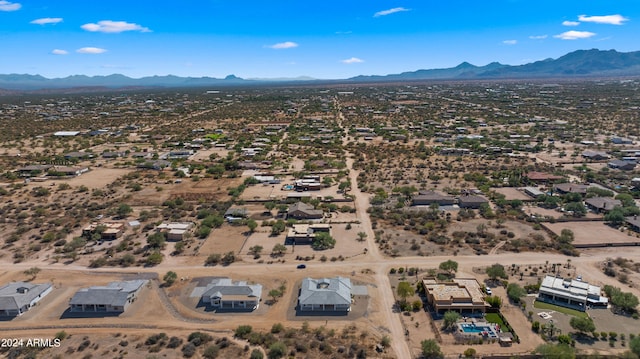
x,y
488,291
301,266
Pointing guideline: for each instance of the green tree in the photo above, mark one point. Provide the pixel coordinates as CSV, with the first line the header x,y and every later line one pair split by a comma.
x,y
278,249
170,278
405,290
156,240
431,349
470,353
362,236
634,345
252,225
278,227
256,354
275,294
496,271
277,350
515,292
154,258
626,199
615,216
450,319
449,266
124,210
582,325
578,209
323,240
256,250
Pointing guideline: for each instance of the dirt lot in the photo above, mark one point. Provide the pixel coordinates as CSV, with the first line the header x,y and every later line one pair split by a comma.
x,y
593,232
227,238
511,193
98,177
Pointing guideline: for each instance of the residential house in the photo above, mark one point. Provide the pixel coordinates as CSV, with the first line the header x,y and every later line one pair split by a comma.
x,y
633,222
305,233
533,192
471,201
18,297
426,198
225,294
157,165
595,155
621,141
542,177
602,204
78,155
33,170
66,171
461,295
108,231
301,210
175,231
326,294
622,165
113,154
238,212
113,297
570,293
66,133
565,188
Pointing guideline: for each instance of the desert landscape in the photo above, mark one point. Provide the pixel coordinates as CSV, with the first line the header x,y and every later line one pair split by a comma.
x,y
315,222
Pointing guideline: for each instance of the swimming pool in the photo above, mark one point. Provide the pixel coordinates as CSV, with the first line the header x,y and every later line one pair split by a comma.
x,y
484,329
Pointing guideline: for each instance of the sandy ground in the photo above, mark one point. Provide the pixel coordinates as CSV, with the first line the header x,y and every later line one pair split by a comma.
x,y
594,232
98,177
512,193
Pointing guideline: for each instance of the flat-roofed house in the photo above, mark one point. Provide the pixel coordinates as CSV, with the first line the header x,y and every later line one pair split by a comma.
x,y
223,293
460,295
175,230
113,297
570,293
305,233
325,294
18,297
109,230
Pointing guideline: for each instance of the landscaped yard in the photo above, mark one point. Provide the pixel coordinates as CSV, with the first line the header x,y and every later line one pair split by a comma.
x,y
495,318
542,305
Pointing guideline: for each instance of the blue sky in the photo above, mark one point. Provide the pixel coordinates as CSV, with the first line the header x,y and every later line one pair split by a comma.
x,y
288,38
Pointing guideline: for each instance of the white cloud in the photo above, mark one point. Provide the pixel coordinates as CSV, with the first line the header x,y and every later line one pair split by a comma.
x,y
353,60
113,27
283,45
46,20
9,6
510,42
575,35
538,37
570,23
390,11
90,50
606,19
59,52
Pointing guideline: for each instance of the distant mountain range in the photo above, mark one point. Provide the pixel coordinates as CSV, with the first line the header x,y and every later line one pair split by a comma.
x,y
581,63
